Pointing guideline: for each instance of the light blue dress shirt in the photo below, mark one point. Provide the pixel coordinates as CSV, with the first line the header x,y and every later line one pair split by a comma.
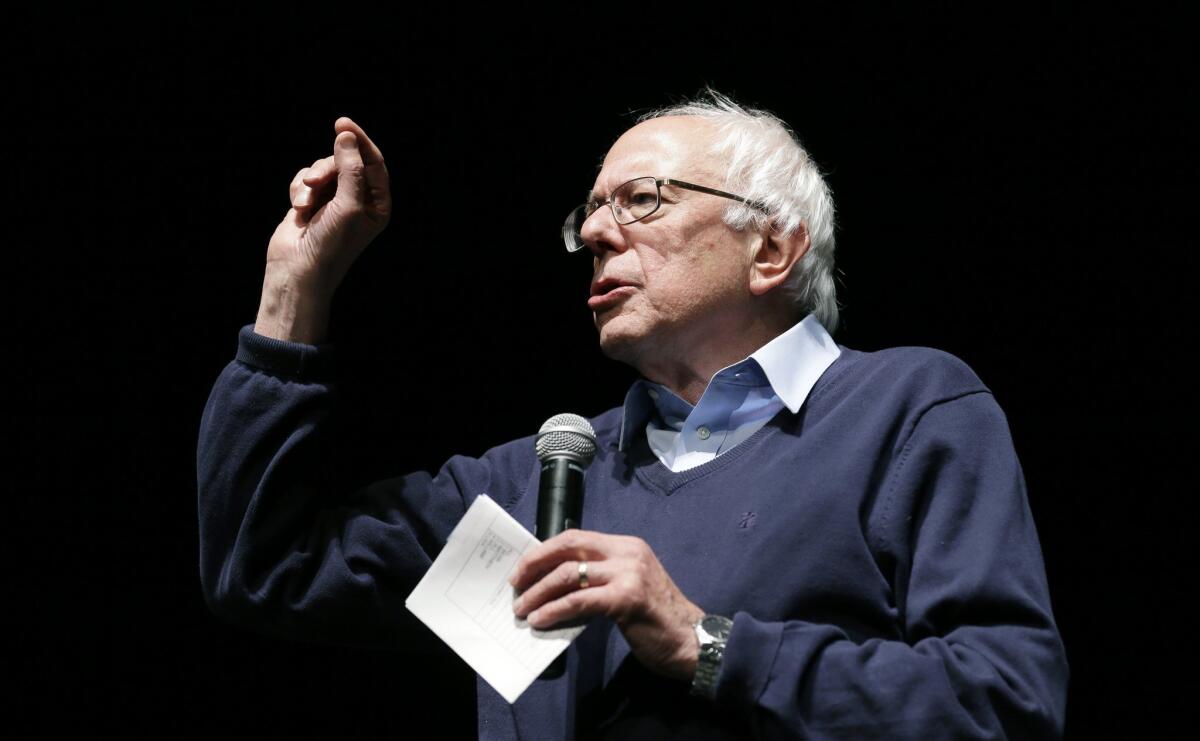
x,y
738,401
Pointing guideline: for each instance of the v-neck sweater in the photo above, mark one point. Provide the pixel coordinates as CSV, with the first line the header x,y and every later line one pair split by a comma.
x,y
875,550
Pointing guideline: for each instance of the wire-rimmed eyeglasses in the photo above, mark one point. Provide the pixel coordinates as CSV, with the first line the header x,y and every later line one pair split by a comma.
x,y
633,201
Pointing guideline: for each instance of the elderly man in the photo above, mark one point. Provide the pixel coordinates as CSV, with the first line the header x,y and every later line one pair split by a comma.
x,y
785,537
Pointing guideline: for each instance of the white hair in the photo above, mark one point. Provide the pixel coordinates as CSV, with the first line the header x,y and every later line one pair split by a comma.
x,y
768,165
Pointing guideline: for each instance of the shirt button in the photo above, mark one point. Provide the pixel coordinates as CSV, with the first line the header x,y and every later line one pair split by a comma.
x,y
653,394
702,433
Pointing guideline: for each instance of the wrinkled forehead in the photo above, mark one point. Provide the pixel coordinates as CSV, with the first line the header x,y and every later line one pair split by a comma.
x,y
673,146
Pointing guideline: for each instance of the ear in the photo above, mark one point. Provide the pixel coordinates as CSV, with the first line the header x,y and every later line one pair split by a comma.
x,y
775,257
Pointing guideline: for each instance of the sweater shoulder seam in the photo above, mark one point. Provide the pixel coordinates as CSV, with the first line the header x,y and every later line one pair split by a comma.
x,y
879,540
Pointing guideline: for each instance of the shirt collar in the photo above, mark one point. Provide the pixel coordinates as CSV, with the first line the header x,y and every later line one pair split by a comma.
x,y
791,363
794,360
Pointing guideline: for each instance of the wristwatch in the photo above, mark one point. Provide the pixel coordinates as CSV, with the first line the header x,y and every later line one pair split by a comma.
x,y
712,632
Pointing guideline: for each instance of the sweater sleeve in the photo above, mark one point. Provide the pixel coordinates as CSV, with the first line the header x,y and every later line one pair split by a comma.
x,y
288,551
980,655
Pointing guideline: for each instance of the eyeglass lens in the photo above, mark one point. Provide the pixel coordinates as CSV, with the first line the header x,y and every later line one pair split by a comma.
x,y
632,201
635,200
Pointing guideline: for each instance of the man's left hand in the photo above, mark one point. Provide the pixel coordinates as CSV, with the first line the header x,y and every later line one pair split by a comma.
x,y
626,582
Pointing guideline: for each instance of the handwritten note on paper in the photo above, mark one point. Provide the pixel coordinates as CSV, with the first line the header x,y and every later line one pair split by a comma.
x,y
465,598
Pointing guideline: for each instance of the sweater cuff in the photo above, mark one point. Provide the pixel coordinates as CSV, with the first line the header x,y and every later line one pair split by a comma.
x,y
749,656
294,359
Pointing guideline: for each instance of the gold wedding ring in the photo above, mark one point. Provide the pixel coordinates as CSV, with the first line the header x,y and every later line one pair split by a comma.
x,y
583,580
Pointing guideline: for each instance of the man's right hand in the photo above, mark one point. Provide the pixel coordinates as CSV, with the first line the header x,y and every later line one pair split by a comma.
x,y
339,205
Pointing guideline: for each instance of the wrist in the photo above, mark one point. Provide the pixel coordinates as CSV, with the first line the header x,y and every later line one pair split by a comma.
x,y
292,308
688,653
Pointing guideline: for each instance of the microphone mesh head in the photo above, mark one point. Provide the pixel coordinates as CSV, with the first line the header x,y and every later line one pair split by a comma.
x,y
566,435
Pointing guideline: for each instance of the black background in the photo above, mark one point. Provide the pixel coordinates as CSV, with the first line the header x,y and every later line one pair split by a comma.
x,y
1014,189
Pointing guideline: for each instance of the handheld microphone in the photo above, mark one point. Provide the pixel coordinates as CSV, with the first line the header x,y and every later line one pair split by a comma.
x,y
566,445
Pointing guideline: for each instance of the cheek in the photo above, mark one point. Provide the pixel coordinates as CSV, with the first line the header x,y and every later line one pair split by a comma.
x,y
706,264
678,287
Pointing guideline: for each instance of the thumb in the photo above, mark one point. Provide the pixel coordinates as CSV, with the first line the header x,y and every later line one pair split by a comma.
x,y
349,165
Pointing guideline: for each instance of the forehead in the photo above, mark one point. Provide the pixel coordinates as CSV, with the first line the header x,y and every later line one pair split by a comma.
x,y
673,146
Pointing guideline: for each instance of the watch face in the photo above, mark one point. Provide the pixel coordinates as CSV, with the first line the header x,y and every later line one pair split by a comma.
x,y
716,626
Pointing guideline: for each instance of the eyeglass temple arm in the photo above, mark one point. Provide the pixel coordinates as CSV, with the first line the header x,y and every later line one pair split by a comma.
x,y
713,192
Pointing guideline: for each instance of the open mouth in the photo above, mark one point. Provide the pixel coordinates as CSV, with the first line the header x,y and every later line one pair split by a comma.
x,y
608,292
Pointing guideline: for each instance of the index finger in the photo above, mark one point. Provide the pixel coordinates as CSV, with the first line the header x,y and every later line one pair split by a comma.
x,y
366,148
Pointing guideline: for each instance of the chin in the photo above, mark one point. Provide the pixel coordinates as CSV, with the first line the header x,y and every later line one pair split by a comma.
x,y
618,343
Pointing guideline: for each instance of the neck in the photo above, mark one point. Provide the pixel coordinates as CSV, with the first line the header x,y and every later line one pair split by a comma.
x,y
687,365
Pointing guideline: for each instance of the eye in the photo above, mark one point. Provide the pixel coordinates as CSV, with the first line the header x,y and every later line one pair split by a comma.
x,y
638,194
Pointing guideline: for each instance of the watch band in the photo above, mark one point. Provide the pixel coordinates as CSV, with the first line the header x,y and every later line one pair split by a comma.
x,y
713,632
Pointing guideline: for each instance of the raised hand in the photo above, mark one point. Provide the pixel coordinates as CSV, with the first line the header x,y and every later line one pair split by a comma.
x,y
339,204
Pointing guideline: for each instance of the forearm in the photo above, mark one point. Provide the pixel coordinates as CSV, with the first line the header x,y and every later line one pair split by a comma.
x,y
809,679
257,466
286,548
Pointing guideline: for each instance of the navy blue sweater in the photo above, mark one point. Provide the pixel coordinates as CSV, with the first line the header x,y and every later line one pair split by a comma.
x,y
876,551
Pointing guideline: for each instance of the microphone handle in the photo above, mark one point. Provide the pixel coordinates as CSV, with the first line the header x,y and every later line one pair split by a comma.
x,y
560,497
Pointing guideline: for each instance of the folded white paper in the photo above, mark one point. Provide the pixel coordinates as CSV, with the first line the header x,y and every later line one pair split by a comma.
x,y
465,598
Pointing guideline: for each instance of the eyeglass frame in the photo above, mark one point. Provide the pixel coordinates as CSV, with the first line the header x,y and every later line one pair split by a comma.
x,y
658,184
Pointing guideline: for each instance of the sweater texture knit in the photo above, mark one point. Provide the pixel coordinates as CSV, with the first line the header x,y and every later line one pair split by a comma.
x,y
875,551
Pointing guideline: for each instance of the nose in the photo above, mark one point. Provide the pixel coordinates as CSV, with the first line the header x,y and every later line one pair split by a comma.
x,y
601,233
